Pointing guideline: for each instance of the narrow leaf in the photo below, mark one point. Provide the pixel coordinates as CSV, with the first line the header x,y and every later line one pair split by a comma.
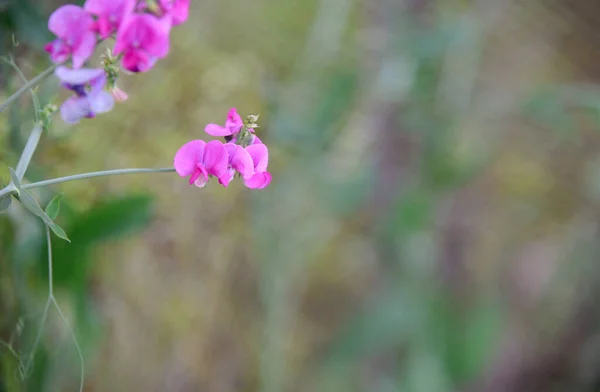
x,y
32,205
53,207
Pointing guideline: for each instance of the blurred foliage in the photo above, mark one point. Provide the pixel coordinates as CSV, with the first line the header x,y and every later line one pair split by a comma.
x,y
432,224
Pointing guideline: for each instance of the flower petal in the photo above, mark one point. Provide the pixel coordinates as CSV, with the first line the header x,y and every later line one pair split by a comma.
x,y
215,158
242,162
101,102
258,180
217,130
188,157
74,109
84,49
202,179
69,20
77,76
260,156
234,122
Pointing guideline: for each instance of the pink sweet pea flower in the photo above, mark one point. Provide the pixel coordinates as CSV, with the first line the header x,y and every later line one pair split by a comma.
x,y
110,14
177,9
76,38
89,98
143,39
199,160
260,159
233,124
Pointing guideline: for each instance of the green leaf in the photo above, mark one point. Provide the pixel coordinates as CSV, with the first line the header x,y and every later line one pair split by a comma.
x,y
33,206
5,202
53,207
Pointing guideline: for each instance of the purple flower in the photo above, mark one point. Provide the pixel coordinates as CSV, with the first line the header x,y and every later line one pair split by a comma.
x,y
233,124
110,14
142,39
75,37
89,98
239,160
199,160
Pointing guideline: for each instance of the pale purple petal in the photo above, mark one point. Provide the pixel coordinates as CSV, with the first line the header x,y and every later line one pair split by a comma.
x,y
74,109
188,157
215,158
84,49
77,76
260,156
258,180
217,130
101,102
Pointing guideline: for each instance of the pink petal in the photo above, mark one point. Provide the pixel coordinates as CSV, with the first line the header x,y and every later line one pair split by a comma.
x,y
226,179
58,50
217,130
202,179
260,156
188,157
234,122
258,180
180,11
242,162
65,19
215,158
84,49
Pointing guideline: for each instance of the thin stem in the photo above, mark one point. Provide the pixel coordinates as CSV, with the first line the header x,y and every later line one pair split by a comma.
x,y
34,98
64,320
32,83
10,188
96,174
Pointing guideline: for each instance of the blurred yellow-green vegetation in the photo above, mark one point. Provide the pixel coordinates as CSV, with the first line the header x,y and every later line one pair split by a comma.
x,y
432,224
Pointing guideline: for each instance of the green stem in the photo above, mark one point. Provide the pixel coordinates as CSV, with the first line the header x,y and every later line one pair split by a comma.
x,y
28,86
10,188
96,174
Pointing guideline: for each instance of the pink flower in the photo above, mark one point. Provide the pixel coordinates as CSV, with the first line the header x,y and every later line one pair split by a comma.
x,y
143,39
199,160
251,162
233,124
177,9
89,98
260,159
76,38
110,14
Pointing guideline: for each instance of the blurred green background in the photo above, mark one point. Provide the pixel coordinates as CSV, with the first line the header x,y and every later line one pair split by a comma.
x,y
432,224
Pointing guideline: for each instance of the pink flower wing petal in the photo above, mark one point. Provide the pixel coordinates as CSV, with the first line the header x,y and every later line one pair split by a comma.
x,y
258,180
66,18
215,158
234,122
84,49
260,156
242,162
188,157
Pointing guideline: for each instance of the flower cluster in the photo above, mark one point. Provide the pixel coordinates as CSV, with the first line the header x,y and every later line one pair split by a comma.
x,y
141,31
242,153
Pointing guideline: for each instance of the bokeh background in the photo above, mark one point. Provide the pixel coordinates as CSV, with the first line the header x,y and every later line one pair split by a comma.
x,y
432,224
